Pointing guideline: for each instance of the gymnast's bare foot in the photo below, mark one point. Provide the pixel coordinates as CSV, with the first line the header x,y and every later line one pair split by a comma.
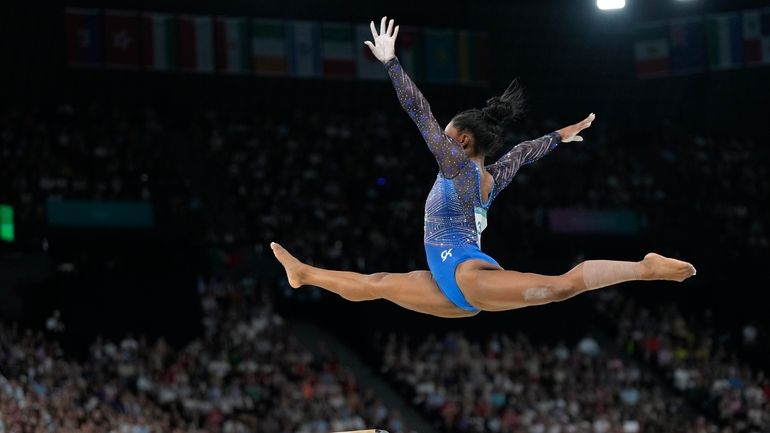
x,y
294,268
657,267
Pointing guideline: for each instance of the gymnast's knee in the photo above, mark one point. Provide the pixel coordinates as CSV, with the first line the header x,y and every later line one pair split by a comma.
x,y
564,287
554,289
372,288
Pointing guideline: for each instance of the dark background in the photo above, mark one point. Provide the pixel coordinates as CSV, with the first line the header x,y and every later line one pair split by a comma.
x,y
569,54
572,59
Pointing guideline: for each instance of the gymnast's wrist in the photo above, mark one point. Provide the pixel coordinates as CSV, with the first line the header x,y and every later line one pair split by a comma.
x,y
556,135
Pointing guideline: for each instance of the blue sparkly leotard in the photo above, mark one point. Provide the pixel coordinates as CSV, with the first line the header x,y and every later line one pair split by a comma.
x,y
455,213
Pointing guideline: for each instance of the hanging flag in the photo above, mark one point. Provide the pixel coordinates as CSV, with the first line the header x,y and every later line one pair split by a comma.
x,y
159,41
466,53
471,56
410,53
756,37
304,48
196,43
84,37
269,51
232,48
688,50
651,51
440,56
337,55
752,37
724,36
367,66
121,38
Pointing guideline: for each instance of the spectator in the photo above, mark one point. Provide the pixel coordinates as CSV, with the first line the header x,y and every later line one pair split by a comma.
x,y
247,373
512,385
703,369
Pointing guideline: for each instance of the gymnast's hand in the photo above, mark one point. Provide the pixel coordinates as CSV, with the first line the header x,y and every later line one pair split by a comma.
x,y
570,133
384,43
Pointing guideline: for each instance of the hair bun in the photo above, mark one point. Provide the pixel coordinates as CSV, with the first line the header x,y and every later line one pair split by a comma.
x,y
488,115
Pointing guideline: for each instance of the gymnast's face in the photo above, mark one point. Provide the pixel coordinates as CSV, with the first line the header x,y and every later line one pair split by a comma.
x,y
464,138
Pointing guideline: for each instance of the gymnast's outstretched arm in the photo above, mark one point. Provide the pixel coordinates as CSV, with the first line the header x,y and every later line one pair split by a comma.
x,y
530,151
449,153
525,152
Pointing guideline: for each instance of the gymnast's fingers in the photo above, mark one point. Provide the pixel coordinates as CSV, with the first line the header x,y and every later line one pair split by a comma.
x,y
395,33
382,25
374,30
390,28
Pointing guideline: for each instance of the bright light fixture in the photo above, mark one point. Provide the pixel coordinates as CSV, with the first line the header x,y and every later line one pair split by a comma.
x,y
610,4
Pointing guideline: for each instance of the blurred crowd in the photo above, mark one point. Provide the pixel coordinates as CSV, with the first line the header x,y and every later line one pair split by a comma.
x,y
247,373
506,383
70,152
697,359
356,183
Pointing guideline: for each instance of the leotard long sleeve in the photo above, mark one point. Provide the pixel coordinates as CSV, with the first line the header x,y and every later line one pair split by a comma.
x,y
449,153
455,213
523,153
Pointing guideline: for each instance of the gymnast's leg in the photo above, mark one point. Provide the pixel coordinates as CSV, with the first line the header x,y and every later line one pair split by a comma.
x,y
416,291
492,289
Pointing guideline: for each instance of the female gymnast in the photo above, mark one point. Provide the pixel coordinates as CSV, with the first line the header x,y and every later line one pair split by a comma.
x,y
462,279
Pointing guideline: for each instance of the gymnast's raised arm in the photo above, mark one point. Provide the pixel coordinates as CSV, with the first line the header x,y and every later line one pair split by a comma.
x,y
530,151
448,153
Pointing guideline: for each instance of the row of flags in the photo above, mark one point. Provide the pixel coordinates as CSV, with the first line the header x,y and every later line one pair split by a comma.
x,y
695,44
241,45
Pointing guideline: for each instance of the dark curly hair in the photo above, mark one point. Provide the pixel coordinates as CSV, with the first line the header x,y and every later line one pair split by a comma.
x,y
486,124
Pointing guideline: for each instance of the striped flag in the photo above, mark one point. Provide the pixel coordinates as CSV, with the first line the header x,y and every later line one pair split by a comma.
x,y
409,49
304,48
159,46
440,56
651,51
232,48
337,56
84,37
121,36
269,51
367,66
724,37
688,51
472,56
756,37
196,43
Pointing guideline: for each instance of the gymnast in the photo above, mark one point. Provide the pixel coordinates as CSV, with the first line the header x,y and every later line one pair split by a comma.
x,y
462,279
